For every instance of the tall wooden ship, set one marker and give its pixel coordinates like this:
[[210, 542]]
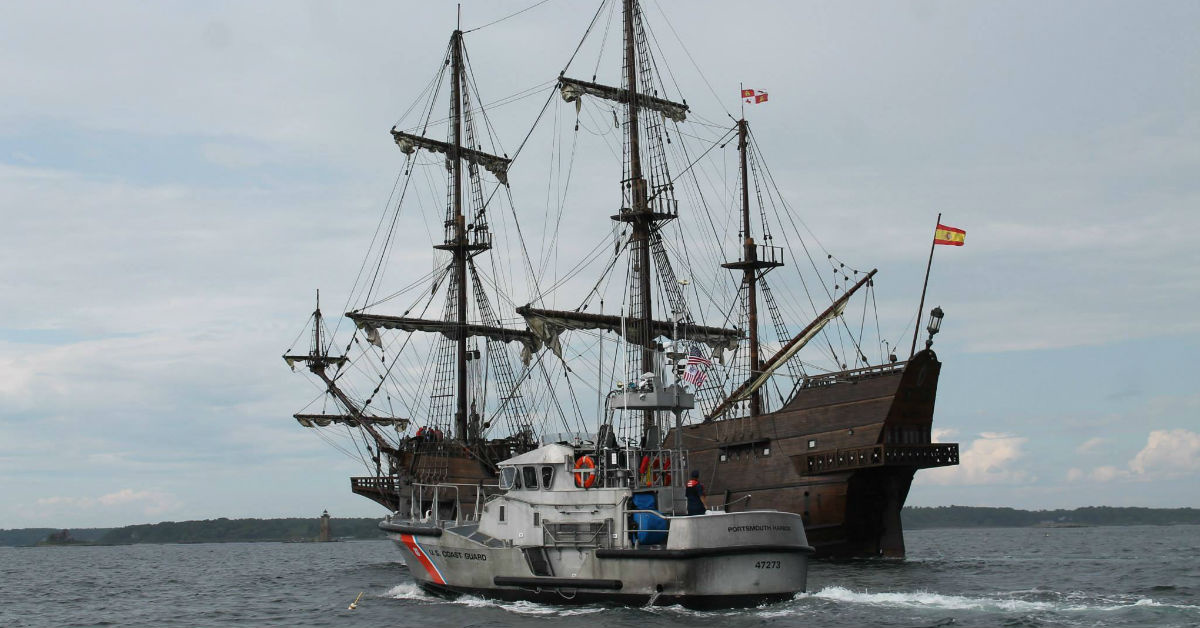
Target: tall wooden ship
[[773, 428]]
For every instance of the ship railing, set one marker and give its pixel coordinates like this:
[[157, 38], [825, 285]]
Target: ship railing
[[826, 379], [725, 507], [431, 510], [626, 532], [374, 483], [772, 255], [578, 534], [652, 468]]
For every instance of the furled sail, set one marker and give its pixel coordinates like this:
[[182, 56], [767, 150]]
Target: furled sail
[[572, 89], [549, 324], [532, 343], [318, 360], [495, 165], [322, 420]]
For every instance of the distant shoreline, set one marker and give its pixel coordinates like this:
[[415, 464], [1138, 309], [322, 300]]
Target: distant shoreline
[[929, 517], [366, 528]]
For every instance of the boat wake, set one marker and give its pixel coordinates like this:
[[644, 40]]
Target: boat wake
[[1011, 602], [523, 607], [410, 591]]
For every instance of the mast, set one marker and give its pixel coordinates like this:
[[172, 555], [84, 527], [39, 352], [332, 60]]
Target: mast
[[460, 240], [318, 361], [749, 274], [916, 331], [750, 265], [641, 218], [650, 201]]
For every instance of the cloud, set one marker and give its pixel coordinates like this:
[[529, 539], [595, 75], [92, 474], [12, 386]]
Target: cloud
[[1167, 454], [942, 434], [150, 503], [1090, 445], [993, 458]]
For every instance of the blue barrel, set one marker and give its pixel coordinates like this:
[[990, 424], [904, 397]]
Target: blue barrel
[[651, 527]]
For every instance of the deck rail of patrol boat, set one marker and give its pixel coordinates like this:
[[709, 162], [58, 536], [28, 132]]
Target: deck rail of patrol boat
[[417, 504]]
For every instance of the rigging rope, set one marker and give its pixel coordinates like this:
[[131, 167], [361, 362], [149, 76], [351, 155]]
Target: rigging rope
[[511, 15]]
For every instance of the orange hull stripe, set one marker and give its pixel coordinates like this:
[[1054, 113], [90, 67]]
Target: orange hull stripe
[[430, 568]]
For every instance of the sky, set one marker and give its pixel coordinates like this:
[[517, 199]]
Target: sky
[[177, 178]]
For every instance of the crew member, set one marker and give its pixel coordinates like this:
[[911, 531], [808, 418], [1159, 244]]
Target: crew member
[[695, 495]]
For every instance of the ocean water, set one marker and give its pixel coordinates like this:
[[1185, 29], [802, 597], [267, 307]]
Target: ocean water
[[1127, 576]]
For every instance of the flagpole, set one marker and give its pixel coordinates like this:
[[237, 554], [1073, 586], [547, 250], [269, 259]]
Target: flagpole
[[921, 307], [742, 98]]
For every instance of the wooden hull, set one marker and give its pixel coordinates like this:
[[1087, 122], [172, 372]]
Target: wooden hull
[[841, 453]]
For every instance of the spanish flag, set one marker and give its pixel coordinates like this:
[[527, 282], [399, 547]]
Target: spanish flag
[[949, 235]]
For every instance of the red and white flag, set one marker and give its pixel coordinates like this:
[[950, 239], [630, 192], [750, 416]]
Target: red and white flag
[[754, 96]]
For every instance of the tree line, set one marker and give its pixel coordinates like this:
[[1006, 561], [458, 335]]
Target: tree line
[[985, 517], [207, 531], [296, 529]]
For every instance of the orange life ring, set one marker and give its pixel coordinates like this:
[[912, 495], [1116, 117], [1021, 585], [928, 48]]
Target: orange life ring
[[651, 468], [585, 479]]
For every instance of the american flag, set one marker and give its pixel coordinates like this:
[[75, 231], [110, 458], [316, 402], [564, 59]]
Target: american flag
[[697, 366]]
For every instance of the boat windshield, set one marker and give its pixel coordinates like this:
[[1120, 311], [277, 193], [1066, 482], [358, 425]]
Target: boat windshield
[[531, 478], [508, 478]]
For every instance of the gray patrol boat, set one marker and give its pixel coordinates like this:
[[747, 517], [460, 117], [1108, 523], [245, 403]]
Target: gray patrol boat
[[600, 521]]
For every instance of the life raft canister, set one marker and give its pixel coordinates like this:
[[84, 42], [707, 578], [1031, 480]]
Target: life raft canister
[[585, 475], [652, 467]]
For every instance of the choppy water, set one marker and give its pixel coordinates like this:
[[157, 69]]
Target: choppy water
[[1132, 576]]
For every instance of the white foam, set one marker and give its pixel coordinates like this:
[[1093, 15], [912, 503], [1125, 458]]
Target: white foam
[[523, 607], [926, 599], [930, 600], [409, 591]]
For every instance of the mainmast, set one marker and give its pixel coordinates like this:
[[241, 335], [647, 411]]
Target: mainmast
[[456, 237], [648, 202], [641, 216], [460, 240], [750, 266]]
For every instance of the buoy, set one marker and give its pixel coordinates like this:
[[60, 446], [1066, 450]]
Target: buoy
[[354, 604], [585, 475]]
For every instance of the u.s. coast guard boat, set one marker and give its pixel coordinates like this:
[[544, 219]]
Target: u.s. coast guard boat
[[600, 521]]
